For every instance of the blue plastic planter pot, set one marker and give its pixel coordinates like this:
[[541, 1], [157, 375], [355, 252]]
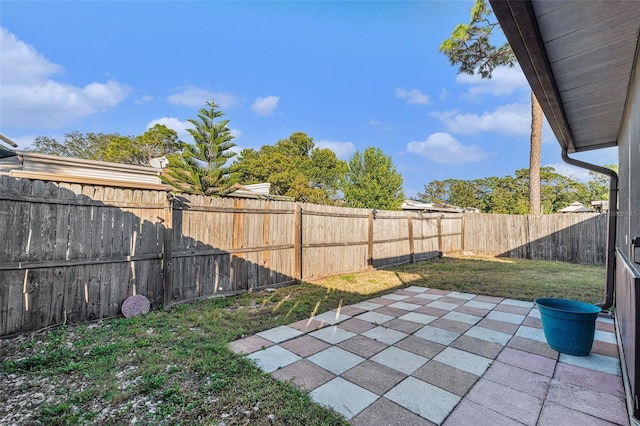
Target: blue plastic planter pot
[[569, 325]]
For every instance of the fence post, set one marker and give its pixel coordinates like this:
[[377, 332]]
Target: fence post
[[440, 233], [297, 244], [410, 228], [370, 242], [167, 272], [462, 233]]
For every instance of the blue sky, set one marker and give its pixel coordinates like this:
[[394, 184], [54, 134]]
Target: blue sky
[[350, 74]]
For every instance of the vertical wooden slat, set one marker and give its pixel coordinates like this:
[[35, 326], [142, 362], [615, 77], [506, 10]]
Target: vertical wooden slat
[[297, 244], [167, 251], [370, 241], [411, 248]]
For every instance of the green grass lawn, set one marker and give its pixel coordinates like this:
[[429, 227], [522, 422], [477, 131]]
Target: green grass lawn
[[174, 367]]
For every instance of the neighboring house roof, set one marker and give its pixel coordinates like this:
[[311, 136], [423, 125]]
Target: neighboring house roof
[[6, 152], [435, 207], [74, 170], [576, 207], [578, 58], [256, 191]]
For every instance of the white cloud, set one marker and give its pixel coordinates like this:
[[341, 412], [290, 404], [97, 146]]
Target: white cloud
[[196, 97], [236, 133], [504, 81], [576, 173], [413, 96], [30, 97], [144, 99], [265, 106], [444, 94], [443, 148], [175, 124], [514, 119], [343, 150], [385, 127]]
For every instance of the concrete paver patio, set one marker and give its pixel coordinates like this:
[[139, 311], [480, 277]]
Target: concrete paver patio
[[421, 356]]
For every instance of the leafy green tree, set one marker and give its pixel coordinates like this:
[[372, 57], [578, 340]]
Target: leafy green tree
[[295, 167], [509, 194], [201, 168], [470, 48], [599, 184], [75, 145], [372, 181], [139, 150]]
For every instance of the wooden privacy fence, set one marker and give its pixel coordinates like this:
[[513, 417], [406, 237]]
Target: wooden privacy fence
[[75, 253], [71, 253], [576, 238]]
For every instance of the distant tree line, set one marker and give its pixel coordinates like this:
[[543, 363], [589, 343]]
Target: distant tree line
[[510, 194], [294, 166]]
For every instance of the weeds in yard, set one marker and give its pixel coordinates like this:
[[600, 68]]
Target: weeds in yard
[[174, 367]]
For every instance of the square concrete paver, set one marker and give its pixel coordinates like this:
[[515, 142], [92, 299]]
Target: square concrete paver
[[554, 415], [336, 360], [343, 396], [516, 378], [476, 346], [589, 401], [531, 362], [403, 325], [280, 334], [470, 413], [506, 317], [438, 335], [308, 325], [443, 305], [394, 296], [489, 335], [418, 317], [273, 358], [466, 361], [462, 317], [501, 326], [405, 306], [332, 334], [532, 346], [386, 413], [424, 399], [586, 377], [363, 346], [249, 344], [428, 296], [356, 325], [480, 305], [305, 345], [458, 295], [416, 289], [390, 310], [399, 359], [446, 377], [368, 305], [455, 326], [518, 405], [375, 377], [331, 317], [385, 335], [532, 333], [419, 346], [304, 374], [375, 318], [605, 364]]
